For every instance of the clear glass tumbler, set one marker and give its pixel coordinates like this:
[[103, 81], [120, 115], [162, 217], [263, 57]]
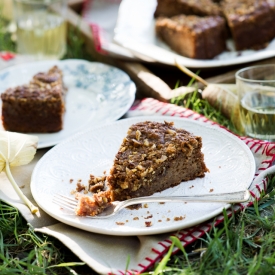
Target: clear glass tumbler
[[41, 28], [256, 93]]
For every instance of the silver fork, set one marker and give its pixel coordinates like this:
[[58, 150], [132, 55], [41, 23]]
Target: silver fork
[[234, 197]]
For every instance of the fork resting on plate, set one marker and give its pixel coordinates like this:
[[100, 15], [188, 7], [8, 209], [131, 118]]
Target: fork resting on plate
[[234, 197]]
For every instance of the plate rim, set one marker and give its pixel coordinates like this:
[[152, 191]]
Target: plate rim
[[148, 230], [22, 66]]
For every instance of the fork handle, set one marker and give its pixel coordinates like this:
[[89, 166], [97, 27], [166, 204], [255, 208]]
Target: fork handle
[[234, 197]]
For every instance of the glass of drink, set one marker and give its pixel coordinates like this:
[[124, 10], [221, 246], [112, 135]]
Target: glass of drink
[[41, 28], [256, 93]]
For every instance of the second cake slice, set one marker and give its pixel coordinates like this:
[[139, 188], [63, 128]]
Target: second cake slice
[[193, 36], [37, 107]]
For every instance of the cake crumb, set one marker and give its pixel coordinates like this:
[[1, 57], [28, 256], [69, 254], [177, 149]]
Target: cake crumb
[[71, 180], [148, 217], [97, 187], [120, 223], [180, 218], [162, 202], [168, 219], [159, 220], [145, 205], [148, 224], [22, 186], [192, 186], [135, 206], [136, 218], [80, 187], [211, 190]]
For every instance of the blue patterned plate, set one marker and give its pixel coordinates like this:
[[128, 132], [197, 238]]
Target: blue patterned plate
[[97, 94]]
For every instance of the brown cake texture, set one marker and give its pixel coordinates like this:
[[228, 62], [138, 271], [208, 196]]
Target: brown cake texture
[[193, 36], [35, 107], [252, 23], [168, 8], [152, 157], [92, 205]]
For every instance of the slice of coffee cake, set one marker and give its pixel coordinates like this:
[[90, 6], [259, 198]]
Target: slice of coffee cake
[[193, 36], [36, 107], [152, 157]]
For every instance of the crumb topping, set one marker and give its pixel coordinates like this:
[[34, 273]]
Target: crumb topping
[[193, 23], [43, 86], [180, 218], [97, 184]]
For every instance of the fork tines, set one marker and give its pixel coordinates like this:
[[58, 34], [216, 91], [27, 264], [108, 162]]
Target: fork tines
[[65, 202]]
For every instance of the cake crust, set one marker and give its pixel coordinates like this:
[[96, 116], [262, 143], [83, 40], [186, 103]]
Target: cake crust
[[170, 8]]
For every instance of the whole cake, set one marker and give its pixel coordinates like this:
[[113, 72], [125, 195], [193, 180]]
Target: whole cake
[[152, 157], [193, 36], [36, 107]]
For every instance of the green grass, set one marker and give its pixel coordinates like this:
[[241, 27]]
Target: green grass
[[195, 102], [6, 41], [76, 46], [243, 244]]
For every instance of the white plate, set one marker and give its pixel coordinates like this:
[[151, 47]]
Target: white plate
[[135, 31], [230, 161], [97, 94]]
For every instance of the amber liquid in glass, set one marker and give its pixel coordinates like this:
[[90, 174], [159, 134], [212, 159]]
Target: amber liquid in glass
[[42, 35], [258, 115]]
